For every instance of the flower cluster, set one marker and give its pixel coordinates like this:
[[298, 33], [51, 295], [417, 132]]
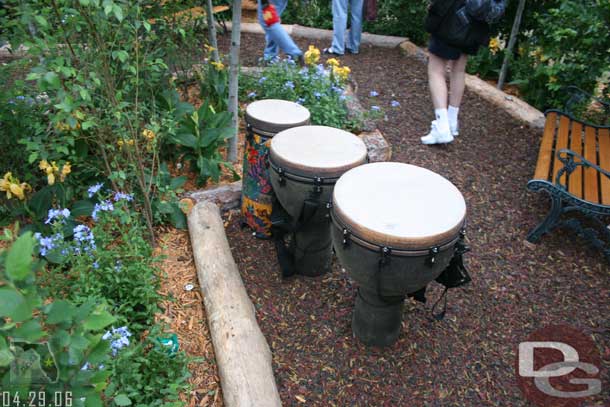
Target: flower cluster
[[118, 337], [121, 196], [219, 66], [148, 134], [496, 44], [57, 214], [48, 243], [84, 239], [103, 206], [94, 189], [52, 171], [312, 55], [13, 187], [341, 72]]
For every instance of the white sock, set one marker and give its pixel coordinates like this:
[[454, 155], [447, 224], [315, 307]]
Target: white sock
[[453, 114], [442, 120]]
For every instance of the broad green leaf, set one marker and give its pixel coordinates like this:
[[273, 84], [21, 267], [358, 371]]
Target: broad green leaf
[[6, 357], [177, 182], [14, 305], [41, 21], [178, 218], [60, 311], [122, 400], [29, 331], [41, 201], [98, 320], [118, 13], [100, 351], [52, 79], [19, 259], [82, 208]]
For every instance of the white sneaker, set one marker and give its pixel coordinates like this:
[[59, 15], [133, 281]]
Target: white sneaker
[[436, 137], [455, 129]]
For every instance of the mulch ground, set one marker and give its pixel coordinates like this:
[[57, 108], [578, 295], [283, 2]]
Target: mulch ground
[[468, 359]]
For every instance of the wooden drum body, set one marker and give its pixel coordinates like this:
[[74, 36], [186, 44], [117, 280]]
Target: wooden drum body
[[305, 163], [264, 119], [395, 228]]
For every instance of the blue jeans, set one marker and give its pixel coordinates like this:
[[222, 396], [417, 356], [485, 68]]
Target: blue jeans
[[276, 37], [340, 25]]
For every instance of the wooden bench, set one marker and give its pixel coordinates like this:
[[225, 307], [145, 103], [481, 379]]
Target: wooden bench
[[574, 169]]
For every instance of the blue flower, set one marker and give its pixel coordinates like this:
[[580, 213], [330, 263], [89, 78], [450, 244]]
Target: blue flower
[[300, 101], [342, 97], [57, 214], [96, 265], [318, 95], [395, 103], [118, 196], [375, 108], [103, 206], [336, 89], [94, 189], [48, 243], [374, 93], [118, 337], [118, 265], [262, 79], [252, 95], [289, 85], [83, 237], [20, 97]]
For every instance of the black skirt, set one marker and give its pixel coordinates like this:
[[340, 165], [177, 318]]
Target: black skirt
[[446, 51]]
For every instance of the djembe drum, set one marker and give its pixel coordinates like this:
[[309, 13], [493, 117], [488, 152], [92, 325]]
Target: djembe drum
[[264, 119], [305, 163], [395, 229]]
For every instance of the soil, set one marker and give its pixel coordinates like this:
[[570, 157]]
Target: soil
[[468, 359]]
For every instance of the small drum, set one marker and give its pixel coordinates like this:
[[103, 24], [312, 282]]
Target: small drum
[[264, 118], [395, 229], [305, 163]]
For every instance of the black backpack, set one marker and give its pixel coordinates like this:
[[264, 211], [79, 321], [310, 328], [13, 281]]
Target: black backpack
[[489, 11], [449, 21]]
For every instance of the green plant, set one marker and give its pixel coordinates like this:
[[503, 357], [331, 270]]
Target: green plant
[[150, 373], [45, 341], [319, 88], [200, 135], [214, 83]]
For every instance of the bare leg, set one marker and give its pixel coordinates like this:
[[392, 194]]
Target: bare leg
[[437, 82], [457, 80]]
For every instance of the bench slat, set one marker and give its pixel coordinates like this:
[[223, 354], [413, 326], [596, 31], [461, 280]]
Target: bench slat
[[575, 179], [543, 165], [562, 142], [591, 180], [604, 162]]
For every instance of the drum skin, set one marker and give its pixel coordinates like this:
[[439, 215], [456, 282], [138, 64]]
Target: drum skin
[[400, 276]]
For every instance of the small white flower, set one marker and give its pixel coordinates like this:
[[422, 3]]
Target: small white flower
[[189, 287]]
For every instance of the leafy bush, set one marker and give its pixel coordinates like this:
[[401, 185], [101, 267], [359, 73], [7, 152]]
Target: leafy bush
[[45, 342], [319, 88]]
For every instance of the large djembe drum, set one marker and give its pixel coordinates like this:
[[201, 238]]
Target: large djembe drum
[[395, 229], [305, 163], [264, 119]]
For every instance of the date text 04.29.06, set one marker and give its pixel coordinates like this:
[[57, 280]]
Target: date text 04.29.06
[[36, 399]]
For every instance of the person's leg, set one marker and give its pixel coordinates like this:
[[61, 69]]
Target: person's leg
[[457, 81], [280, 6], [281, 38], [440, 132], [339, 26], [355, 30], [271, 48]]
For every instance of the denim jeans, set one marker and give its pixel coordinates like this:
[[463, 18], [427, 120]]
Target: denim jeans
[[276, 37], [340, 25]]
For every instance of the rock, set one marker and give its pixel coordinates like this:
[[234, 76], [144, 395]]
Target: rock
[[378, 148], [226, 196]]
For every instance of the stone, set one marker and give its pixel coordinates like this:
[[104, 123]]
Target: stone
[[226, 196], [378, 148]]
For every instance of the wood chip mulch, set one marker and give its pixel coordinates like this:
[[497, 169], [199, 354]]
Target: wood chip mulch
[[469, 358]]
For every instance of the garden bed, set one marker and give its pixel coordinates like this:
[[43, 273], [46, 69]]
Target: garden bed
[[468, 359]]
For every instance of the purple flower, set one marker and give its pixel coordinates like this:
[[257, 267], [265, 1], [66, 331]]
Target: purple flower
[[375, 108], [57, 214], [252, 95], [289, 85], [300, 101], [262, 79], [395, 103], [103, 206], [83, 237], [118, 196], [94, 189], [373, 93], [48, 243], [118, 337], [318, 95]]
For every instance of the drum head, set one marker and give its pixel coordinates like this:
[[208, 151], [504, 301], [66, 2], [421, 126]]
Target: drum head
[[399, 205], [317, 151], [274, 115]]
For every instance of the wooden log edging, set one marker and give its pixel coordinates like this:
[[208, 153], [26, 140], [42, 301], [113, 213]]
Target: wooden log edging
[[242, 353]]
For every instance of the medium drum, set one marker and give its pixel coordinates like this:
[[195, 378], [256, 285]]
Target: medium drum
[[395, 229], [264, 119], [305, 164]]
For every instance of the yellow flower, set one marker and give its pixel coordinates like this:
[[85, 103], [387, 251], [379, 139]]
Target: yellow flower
[[333, 62], [218, 65], [65, 170], [130, 142], [552, 79], [5, 182], [312, 55], [120, 143], [17, 190], [494, 45], [209, 48], [148, 134], [43, 165], [341, 72], [51, 178], [12, 187]]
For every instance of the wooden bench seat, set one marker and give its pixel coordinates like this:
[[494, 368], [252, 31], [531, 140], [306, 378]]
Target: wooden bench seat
[[574, 168]]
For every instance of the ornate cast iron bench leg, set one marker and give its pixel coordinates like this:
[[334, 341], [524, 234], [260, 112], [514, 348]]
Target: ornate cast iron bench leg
[[551, 218]]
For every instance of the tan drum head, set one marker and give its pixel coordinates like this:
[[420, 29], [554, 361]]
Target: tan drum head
[[317, 151], [399, 205], [274, 115]]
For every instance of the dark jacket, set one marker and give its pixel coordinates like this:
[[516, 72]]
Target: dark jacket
[[448, 21]]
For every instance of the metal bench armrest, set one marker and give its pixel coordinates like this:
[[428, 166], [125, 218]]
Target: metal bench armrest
[[577, 95], [571, 161]]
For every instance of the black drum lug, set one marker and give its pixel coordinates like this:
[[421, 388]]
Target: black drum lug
[[318, 182], [386, 252], [329, 206], [346, 237], [431, 259], [281, 179]]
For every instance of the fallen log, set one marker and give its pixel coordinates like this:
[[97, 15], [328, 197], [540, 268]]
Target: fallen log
[[242, 353]]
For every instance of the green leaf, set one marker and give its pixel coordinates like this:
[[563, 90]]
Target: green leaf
[[41, 21], [122, 400], [6, 357], [14, 305], [41, 201], [177, 182], [93, 400], [60, 311], [118, 12], [84, 3], [19, 259], [178, 218], [52, 79], [100, 351], [98, 320], [29, 331], [82, 208]]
